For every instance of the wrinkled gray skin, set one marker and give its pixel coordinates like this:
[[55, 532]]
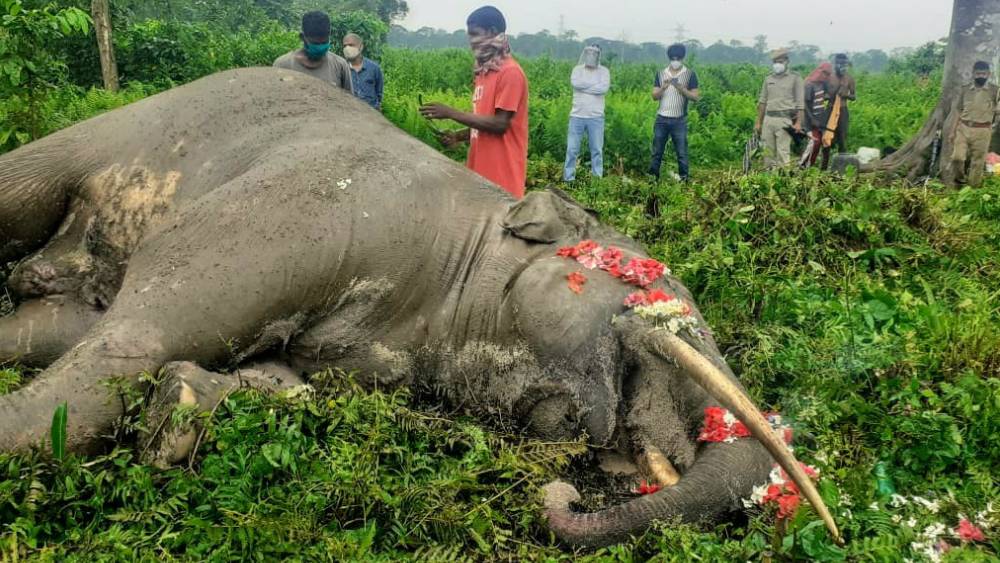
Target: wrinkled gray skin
[[261, 215]]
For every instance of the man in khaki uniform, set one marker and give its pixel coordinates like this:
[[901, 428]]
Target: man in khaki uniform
[[781, 106], [978, 113]]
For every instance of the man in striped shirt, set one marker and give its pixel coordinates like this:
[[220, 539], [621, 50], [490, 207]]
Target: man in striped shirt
[[673, 88]]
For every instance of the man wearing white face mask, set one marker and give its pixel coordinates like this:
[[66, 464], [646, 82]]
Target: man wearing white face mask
[[674, 88], [591, 82], [781, 107], [366, 75]]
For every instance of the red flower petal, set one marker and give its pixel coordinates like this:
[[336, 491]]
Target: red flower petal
[[576, 281], [567, 252], [645, 488], [586, 247], [787, 505], [659, 296], [636, 299], [609, 257], [788, 435], [968, 531], [740, 430], [642, 272]]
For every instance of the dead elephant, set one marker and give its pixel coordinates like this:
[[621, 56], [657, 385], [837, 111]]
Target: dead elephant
[[261, 216]]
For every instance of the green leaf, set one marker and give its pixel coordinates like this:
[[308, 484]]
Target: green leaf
[[58, 434]]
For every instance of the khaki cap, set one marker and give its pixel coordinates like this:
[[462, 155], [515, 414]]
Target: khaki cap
[[779, 53]]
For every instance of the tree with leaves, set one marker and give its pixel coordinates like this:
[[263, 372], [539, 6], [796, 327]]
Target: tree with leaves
[[27, 72], [975, 35]]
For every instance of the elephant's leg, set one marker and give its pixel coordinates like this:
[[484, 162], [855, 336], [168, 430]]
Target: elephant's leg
[[206, 290], [42, 330], [187, 393], [35, 181], [90, 379]]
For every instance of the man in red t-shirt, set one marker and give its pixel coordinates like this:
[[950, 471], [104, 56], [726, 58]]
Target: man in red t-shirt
[[498, 124]]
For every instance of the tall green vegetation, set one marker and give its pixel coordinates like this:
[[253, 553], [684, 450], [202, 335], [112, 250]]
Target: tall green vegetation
[[868, 314], [29, 71], [865, 313]]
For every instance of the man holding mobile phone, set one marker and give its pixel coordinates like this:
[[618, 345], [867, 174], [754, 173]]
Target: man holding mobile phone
[[673, 87], [497, 126]]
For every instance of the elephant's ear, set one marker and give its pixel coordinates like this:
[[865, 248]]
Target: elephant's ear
[[547, 217]]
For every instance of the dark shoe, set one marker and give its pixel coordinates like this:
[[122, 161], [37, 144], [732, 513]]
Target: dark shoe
[[653, 207]]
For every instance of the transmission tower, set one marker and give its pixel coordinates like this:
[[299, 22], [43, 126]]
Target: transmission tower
[[681, 32]]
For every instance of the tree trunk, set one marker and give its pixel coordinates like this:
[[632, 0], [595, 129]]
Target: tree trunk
[[974, 36], [102, 27]]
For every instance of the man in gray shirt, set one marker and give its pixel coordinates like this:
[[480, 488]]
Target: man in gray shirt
[[315, 58]]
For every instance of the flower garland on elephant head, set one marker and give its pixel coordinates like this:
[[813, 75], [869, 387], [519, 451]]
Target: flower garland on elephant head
[[668, 312], [656, 306]]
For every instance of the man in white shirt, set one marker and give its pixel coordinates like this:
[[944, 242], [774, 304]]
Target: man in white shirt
[[591, 82]]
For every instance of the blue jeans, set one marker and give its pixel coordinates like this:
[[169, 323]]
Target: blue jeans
[[594, 128], [675, 128]]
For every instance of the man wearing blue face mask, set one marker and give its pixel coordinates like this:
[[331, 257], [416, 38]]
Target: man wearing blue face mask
[[315, 58]]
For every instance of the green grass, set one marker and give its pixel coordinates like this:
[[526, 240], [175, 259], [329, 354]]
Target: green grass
[[866, 312]]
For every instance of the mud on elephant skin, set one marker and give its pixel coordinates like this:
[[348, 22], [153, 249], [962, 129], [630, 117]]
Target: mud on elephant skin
[[261, 214]]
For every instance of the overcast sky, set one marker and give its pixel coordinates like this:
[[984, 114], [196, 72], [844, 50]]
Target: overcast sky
[[850, 25]]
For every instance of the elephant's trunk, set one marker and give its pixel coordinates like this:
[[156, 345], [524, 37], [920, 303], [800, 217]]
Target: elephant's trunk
[[670, 347], [711, 486]]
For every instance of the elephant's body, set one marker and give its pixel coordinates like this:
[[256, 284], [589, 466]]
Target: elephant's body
[[260, 213]]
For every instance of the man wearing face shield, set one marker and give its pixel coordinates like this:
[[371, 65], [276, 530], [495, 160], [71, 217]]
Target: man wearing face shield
[[781, 107], [591, 82], [315, 58], [497, 127], [843, 87], [978, 113]]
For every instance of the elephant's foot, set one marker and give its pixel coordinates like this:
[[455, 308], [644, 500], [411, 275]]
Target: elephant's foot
[[186, 395], [42, 330], [658, 468], [94, 380]]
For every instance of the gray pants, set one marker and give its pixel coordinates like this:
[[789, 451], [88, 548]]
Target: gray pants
[[777, 142]]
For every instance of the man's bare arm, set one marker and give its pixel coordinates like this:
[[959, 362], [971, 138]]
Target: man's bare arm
[[498, 123]]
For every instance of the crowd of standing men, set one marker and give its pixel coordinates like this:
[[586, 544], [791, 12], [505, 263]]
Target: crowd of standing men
[[815, 109]]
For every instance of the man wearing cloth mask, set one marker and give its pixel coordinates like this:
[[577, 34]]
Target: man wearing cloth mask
[[781, 106], [498, 124], [673, 87], [315, 58], [840, 85], [591, 81], [366, 75], [978, 115]]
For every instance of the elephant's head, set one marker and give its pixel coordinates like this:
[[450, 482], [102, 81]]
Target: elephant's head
[[636, 378]]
